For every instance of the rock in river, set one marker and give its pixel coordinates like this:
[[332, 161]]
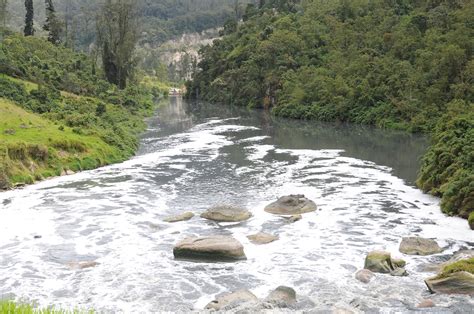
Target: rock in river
[[181, 217], [226, 213], [291, 205], [232, 299], [262, 238], [282, 295], [364, 275], [460, 282], [212, 248], [419, 246], [379, 262]]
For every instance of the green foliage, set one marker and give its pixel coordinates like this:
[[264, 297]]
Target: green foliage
[[39, 61], [405, 65], [448, 166], [470, 220], [11, 307], [45, 130]]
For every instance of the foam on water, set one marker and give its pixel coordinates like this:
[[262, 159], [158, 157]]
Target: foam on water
[[114, 216]]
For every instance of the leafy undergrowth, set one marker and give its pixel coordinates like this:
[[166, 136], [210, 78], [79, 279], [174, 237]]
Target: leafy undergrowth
[[448, 166], [11, 307]]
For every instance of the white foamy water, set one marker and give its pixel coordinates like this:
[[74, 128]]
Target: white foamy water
[[114, 216]]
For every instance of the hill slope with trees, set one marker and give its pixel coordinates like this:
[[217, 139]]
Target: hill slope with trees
[[389, 63], [58, 115]]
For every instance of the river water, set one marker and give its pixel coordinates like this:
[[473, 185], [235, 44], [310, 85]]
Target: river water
[[196, 156]]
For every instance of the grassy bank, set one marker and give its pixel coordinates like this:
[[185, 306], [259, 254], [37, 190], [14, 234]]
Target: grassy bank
[[11, 307], [57, 115]]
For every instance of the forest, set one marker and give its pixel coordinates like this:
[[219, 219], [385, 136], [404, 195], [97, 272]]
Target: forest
[[396, 64]]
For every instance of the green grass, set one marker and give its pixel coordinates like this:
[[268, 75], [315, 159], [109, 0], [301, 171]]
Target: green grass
[[33, 148], [11, 307], [462, 265]]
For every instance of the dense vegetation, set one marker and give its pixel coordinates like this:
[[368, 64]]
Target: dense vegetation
[[58, 115], [390, 63]]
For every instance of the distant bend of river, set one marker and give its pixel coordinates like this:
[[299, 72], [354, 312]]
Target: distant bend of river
[[194, 156]]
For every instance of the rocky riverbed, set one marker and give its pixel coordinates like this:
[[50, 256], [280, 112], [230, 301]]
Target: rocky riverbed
[[104, 239]]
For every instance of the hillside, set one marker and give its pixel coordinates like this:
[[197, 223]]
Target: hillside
[[403, 65], [160, 22], [58, 115]]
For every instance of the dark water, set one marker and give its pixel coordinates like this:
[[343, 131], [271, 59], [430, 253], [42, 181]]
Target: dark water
[[195, 156]]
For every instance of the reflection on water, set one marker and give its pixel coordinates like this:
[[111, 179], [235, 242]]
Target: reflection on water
[[195, 156], [399, 150]]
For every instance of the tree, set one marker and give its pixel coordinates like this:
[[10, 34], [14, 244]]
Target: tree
[[29, 27], [117, 34], [3, 12], [52, 24]]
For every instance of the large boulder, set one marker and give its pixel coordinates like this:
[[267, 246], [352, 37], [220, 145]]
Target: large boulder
[[182, 217], [419, 246], [209, 248], [455, 278], [226, 213], [379, 262], [282, 295], [262, 238], [232, 299], [461, 282], [291, 205]]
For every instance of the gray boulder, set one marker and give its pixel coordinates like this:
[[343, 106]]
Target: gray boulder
[[226, 213], [282, 296], [461, 282], [419, 246], [364, 275], [291, 205], [231, 299], [181, 217], [212, 248], [262, 238]]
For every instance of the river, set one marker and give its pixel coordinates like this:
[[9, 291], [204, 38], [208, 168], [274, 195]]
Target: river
[[194, 156]]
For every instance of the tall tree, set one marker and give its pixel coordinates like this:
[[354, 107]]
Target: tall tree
[[29, 27], [3, 12], [53, 24], [117, 35]]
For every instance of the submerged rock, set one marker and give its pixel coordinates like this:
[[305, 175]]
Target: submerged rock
[[398, 263], [181, 217], [83, 265], [399, 272], [226, 213], [426, 304], [461, 282], [232, 299], [209, 248], [282, 296], [364, 275], [291, 205], [262, 238], [379, 262], [419, 246], [295, 218]]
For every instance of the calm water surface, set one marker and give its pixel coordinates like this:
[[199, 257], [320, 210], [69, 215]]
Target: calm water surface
[[195, 156]]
